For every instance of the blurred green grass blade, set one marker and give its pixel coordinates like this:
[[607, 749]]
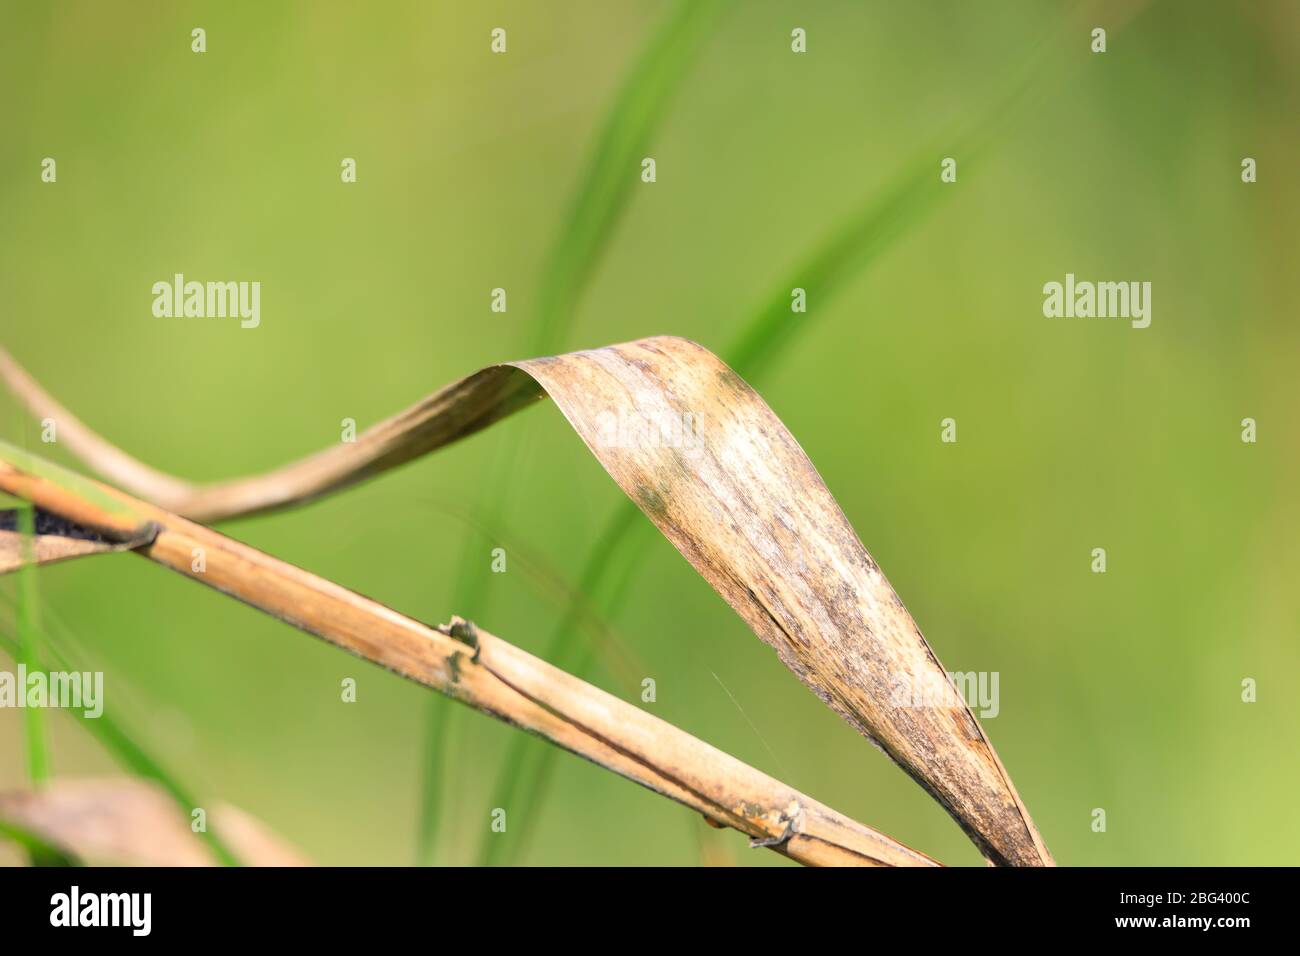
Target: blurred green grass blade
[[39, 851], [610, 174], [117, 741], [871, 232], [843, 256], [28, 653], [580, 613], [605, 188], [470, 591], [525, 762]]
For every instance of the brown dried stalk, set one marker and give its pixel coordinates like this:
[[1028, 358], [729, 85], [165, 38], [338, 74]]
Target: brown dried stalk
[[474, 667], [738, 498], [132, 821]]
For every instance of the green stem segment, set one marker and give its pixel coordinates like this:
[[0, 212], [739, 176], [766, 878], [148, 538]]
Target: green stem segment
[[28, 652], [122, 745]]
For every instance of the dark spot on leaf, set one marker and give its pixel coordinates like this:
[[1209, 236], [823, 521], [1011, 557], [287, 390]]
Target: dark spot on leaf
[[651, 501]]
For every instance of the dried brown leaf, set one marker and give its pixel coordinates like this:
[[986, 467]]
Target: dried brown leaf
[[122, 820]]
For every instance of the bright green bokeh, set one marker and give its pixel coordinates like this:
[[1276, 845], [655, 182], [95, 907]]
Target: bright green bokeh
[[1120, 691]]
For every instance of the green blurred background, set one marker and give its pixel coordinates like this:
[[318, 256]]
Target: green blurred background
[[1119, 691]]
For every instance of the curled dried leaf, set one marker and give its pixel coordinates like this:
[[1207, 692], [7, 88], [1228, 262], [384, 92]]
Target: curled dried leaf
[[740, 500]]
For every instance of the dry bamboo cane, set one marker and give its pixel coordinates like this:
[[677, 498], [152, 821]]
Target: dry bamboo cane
[[475, 668]]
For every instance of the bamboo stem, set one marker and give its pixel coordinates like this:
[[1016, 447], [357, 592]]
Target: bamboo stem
[[479, 670]]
